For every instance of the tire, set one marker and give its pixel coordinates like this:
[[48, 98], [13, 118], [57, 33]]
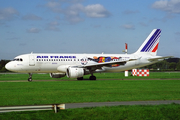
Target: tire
[[81, 78], [92, 77], [30, 79]]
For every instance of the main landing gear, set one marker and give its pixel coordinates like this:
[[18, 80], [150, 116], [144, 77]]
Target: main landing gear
[[30, 77], [92, 77]]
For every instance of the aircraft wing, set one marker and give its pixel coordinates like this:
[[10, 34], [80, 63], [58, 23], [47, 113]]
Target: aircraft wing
[[107, 64], [159, 58]]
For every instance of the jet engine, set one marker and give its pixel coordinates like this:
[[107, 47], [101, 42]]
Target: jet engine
[[57, 75], [73, 72]]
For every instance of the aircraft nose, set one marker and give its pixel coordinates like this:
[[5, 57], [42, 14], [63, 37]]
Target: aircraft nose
[[9, 66]]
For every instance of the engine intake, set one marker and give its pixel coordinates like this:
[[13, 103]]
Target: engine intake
[[73, 72]]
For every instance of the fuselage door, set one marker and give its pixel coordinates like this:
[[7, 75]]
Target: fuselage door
[[31, 60]]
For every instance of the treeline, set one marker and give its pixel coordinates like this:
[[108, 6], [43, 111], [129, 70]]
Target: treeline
[[2, 65], [171, 64]]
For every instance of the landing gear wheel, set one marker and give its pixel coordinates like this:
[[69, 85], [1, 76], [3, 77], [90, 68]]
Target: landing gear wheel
[[80, 78], [30, 79], [92, 77]]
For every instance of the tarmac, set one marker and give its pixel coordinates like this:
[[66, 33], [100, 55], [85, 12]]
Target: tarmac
[[100, 104]]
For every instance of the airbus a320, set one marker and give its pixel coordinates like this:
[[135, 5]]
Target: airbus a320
[[78, 65]]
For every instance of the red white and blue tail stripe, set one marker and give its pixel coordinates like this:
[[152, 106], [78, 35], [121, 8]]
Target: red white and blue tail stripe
[[151, 43]]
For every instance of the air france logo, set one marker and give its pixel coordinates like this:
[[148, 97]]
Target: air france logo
[[84, 61], [56, 56]]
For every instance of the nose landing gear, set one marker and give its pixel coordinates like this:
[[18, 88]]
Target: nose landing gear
[[30, 77]]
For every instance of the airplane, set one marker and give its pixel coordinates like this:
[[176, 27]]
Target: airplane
[[78, 65]]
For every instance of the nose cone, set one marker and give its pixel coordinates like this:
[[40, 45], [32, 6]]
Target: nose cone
[[11, 66], [8, 66]]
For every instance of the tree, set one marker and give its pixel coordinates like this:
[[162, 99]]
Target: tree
[[2, 65], [172, 65], [178, 65]]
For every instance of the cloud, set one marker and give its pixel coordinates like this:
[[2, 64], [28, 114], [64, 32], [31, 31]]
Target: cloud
[[22, 44], [177, 33], [13, 38], [128, 26], [53, 26], [127, 12], [170, 6], [33, 30], [31, 17], [96, 26], [73, 11], [143, 24], [8, 13], [96, 11], [54, 6]]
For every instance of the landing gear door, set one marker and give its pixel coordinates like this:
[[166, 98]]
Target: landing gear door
[[31, 60]]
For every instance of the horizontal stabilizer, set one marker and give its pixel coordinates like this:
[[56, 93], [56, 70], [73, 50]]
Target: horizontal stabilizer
[[159, 58]]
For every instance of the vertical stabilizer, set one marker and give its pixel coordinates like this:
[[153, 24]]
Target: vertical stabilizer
[[151, 43]]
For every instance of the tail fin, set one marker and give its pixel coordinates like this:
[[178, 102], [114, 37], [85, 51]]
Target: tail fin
[[151, 43]]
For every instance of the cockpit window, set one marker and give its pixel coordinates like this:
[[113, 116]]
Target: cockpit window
[[18, 59]]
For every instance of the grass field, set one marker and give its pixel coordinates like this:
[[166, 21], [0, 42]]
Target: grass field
[[153, 75], [102, 90], [157, 112]]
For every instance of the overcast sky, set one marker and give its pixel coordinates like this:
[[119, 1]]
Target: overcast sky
[[86, 26]]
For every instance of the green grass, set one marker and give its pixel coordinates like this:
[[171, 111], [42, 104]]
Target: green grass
[[153, 75], [107, 88], [30, 93], [137, 112]]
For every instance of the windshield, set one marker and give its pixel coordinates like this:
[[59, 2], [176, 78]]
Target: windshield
[[18, 59]]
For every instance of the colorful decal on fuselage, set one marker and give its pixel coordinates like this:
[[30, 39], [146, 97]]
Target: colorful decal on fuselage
[[84, 61], [115, 65], [102, 59]]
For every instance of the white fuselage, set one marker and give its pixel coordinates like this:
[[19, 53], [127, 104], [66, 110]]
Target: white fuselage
[[48, 63], [77, 65]]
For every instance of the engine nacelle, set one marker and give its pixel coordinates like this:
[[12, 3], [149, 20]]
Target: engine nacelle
[[73, 72], [57, 75]]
